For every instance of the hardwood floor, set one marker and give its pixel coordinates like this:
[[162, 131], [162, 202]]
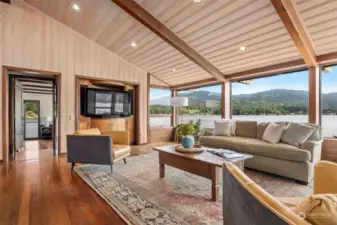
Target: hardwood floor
[[44, 191]]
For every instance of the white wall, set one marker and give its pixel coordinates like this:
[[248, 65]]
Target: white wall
[[46, 105]]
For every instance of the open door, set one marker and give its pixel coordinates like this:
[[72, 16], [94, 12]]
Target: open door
[[18, 116]]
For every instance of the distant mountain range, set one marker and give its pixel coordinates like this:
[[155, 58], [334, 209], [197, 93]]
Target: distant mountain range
[[265, 98]]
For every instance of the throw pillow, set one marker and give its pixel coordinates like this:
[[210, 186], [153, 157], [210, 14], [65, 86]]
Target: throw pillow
[[246, 129], [222, 129], [296, 134], [317, 134], [320, 209], [273, 133], [232, 122], [261, 129]]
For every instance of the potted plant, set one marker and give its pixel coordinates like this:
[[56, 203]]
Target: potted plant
[[186, 132]]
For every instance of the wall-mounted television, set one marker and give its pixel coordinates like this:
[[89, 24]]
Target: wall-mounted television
[[98, 103]]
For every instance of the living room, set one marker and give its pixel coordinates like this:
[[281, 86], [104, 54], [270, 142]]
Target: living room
[[256, 78]]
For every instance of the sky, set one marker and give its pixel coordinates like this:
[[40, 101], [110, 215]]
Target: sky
[[293, 81]]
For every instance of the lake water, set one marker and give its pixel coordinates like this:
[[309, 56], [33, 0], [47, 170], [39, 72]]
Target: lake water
[[329, 122]]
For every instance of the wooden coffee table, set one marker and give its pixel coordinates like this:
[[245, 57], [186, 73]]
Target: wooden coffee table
[[203, 164]]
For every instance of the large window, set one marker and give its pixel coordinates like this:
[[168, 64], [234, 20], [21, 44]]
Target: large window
[[204, 104], [160, 108], [329, 102], [277, 98]]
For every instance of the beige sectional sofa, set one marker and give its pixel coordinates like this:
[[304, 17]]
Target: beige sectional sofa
[[280, 159]]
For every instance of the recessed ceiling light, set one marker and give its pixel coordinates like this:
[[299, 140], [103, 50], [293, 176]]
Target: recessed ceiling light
[[133, 44], [243, 49], [174, 70], [75, 7], [197, 2]]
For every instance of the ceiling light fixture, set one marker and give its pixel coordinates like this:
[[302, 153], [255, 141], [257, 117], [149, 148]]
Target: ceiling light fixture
[[174, 70], [197, 2], [243, 49], [75, 7], [133, 44]]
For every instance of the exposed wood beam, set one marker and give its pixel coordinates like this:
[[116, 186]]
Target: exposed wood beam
[[159, 86], [327, 58], [291, 19], [265, 71], [149, 21], [268, 70], [196, 84], [155, 77]]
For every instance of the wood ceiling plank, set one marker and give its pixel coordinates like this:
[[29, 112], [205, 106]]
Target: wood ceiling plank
[[161, 30], [202, 19], [293, 23], [194, 84], [273, 29], [286, 55], [222, 35]]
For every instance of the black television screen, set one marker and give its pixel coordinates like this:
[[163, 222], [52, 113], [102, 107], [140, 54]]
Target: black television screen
[[105, 103]]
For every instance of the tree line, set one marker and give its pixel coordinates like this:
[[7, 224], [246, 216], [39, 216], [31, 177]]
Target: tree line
[[242, 110]]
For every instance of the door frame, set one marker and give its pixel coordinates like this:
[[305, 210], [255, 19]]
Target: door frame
[[24, 119], [6, 117]]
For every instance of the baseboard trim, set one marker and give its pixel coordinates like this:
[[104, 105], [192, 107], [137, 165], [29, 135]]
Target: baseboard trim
[[63, 153]]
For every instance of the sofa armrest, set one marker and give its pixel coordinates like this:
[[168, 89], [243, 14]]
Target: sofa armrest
[[325, 179], [89, 149], [118, 137], [315, 148]]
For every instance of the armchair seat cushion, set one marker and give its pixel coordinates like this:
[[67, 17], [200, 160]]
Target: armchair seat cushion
[[119, 151]]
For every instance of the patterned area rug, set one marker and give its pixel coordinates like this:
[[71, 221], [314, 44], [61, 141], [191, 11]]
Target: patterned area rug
[[139, 196]]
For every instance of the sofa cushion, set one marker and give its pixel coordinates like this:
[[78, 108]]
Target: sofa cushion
[[246, 128], [296, 134], [120, 151], [222, 128], [92, 131], [261, 127], [232, 122], [257, 147], [273, 133]]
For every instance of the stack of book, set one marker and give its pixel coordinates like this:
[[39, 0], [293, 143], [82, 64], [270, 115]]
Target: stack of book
[[224, 153]]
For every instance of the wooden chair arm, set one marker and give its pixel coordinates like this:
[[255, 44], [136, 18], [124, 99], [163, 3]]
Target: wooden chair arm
[[118, 137], [325, 178]]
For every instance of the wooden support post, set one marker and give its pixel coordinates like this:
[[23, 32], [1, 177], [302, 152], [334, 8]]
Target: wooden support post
[[314, 109], [226, 100], [174, 110]]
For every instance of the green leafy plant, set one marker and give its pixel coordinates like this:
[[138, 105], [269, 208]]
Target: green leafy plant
[[185, 129]]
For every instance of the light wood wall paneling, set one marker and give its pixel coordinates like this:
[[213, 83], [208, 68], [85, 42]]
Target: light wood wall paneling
[[31, 39]]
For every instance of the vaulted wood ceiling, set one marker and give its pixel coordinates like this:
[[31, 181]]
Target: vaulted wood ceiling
[[215, 29]]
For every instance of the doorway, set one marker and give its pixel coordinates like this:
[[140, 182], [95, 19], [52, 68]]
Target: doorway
[[32, 114]]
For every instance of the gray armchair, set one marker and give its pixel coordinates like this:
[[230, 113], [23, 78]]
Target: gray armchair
[[95, 147], [244, 202]]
